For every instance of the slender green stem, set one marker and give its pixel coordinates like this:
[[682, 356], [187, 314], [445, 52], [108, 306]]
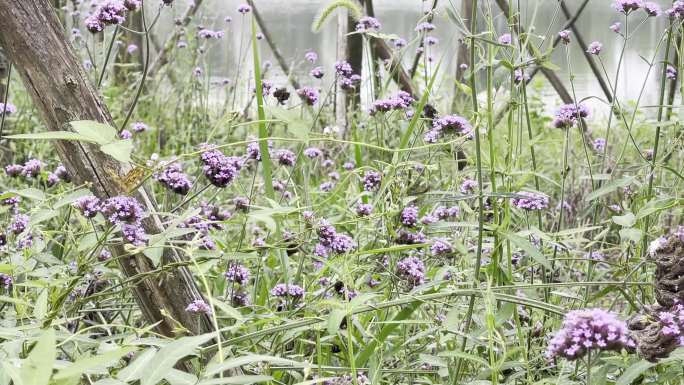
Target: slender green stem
[[107, 56]]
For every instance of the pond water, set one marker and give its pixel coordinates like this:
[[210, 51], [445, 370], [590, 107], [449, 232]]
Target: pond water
[[289, 22]]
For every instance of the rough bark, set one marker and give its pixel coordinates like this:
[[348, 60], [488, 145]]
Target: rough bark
[[354, 56], [34, 41]]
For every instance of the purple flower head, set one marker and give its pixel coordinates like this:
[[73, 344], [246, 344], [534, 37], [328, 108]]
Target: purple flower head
[[241, 203], [125, 134], [287, 290], [5, 279], [238, 274], [286, 157], [326, 232], [519, 75], [221, 170], [14, 170], [441, 246], [442, 212], [652, 9], [343, 68], [198, 306], [505, 39], [595, 48], [173, 178], [401, 101], [122, 209], [109, 12], [670, 73], [308, 95], [320, 251], [132, 5], [594, 255], [468, 186], [565, 36], [615, 27], [531, 201], [89, 206], [7, 108], [568, 115], [32, 168], [677, 10], [52, 179], [342, 244], [425, 27], [312, 152], [599, 144], [133, 234], [371, 180], [431, 40], [627, 6], [131, 48], [589, 329], [209, 34], [349, 83], [244, 8], [412, 270], [368, 23], [399, 43], [452, 123], [364, 209], [326, 186], [19, 223], [317, 72], [311, 56], [409, 216], [104, 256], [348, 166], [62, 173]]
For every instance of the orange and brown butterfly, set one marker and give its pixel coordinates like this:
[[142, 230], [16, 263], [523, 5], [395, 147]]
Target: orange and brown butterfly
[[133, 179]]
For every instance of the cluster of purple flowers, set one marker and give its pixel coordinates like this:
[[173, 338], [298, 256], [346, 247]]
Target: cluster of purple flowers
[[209, 34], [238, 274], [412, 270], [594, 48], [589, 329], [530, 201], [286, 157], [564, 36], [409, 216], [330, 240], [347, 78], [317, 72], [7, 108], [31, 169], [311, 56], [670, 72], [568, 115], [244, 8], [368, 23], [364, 209], [19, 223], [371, 180], [198, 306], [672, 322], [309, 95], [287, 290], [221, 170], [123, 211], [628, 6], [505, 39], [401, 101], [448, 124], [425, 27], [313, 152], [441, 246], [110, 12], [677, 10], [599, 144], [6, 281], [173, 178]]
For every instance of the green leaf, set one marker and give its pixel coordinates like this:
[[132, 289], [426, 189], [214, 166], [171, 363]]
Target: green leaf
[[248, 360], [296, 125], [655, 206], [176, 377], [167, 356], [81, 366], [52, 135], [627, 220], [41, 306], [36, 369], [334, 320], [465, 356], [120, 150], [633, 372], [610, 187], [135, 369], [237, 380], [95, 131], [31, 193]]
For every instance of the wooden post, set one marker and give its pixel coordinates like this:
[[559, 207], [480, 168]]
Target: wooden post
[[34, 41], [340, 95]]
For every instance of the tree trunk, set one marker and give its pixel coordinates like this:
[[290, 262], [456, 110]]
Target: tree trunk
[[34, 41]]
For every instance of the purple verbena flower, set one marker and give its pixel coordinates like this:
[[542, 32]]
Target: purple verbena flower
[[122, 209], [308, 95], [505, 39], [412, 270], [371, 180], [19, 223], [198, 306], [221, 170], [238, 274], [368, 23], [89, 206], [409, 216], [244, 8], [7, 108], [32, 168], [364, 209], [173, 178], [564, 36], [568, 115], [311, 56], [531, 201], [286, 157], [595, 48], [287, 290], [441, 246]]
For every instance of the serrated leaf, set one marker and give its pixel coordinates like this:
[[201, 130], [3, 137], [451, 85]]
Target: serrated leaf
[[135, 369], [52, 135], [120, 150], [31, 193], [633, 372]]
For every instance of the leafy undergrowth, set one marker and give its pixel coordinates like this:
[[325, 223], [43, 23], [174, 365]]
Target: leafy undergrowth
[[431, 239]]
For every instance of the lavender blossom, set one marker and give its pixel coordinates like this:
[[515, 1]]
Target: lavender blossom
[[595, 48], [531, 201], [122, 209], [198, 306], [238, 274], [564, 36], [308, 95], [89, 206], [568, 115], [586, 330], [7, 108], [287, 290], [409, 216], [412, 270], [371, 180], [173, 178], [221, 170], [368, 23], [286, 157], [505, 39]]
